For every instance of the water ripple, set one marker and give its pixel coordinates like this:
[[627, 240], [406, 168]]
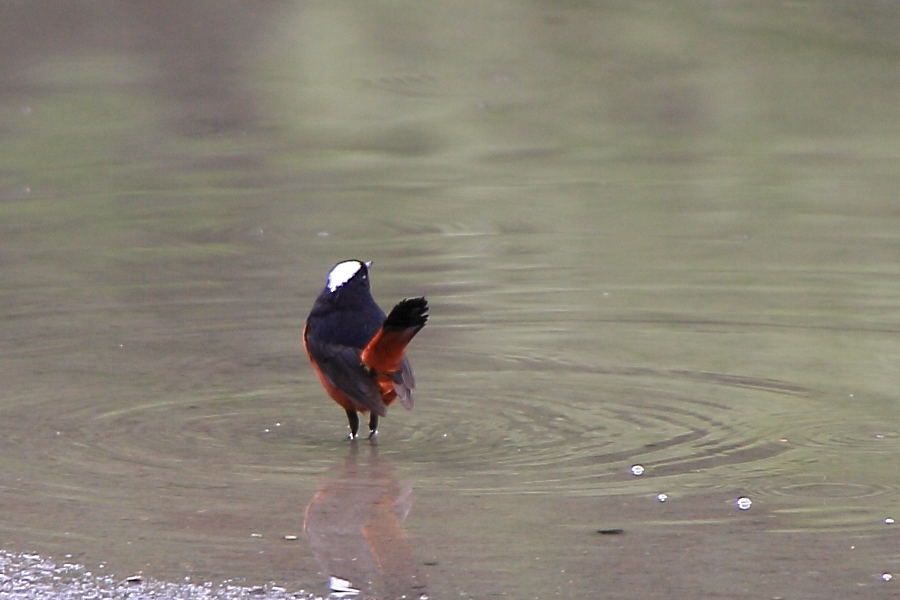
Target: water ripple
[[536, 437]]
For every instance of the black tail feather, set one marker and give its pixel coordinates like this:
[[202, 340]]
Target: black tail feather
[[410, 312]]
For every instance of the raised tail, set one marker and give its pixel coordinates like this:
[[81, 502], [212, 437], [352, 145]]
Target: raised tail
[[385, 352]]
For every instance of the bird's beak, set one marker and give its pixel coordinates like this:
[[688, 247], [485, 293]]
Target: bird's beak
[[368, 263]]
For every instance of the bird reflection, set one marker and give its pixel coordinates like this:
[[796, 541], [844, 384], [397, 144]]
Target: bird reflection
[[354, 525]]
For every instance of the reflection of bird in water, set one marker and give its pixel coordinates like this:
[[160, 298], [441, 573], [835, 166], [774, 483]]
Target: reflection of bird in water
[[354, 527]]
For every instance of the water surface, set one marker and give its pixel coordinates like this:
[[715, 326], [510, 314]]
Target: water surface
[[650, 234]]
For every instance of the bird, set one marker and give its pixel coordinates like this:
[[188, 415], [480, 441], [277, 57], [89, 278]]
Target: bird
[[358, 352]]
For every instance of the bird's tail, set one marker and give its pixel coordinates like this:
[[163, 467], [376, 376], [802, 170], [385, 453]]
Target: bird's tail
[[385, 351]]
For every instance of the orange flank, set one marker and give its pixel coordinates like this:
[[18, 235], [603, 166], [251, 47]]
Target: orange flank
[[336, 394]]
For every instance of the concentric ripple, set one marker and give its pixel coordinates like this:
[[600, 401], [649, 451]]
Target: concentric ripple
[[504, 431], [523, 433], [819, 488], [876, 438], [255, 431]]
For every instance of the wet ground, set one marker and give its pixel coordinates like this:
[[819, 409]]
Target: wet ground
[[650, 235]]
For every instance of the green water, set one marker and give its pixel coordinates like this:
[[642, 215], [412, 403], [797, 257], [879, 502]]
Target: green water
[[651, 233]]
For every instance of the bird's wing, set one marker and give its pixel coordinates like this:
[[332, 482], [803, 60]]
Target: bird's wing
[[345, 371]]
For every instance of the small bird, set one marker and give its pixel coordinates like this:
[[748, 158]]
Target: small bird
[[359, 353]]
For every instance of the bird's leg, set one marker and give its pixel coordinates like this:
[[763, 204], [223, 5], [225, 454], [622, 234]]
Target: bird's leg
[[373, 425], [354, 423]]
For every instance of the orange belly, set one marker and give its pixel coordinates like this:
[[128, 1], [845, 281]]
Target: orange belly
[[336, 394]]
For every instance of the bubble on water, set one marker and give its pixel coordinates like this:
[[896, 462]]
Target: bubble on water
[[743, 503], [637, 470], [887, 576], [662, 497]]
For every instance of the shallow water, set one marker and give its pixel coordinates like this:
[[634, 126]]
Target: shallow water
[[650, 236]]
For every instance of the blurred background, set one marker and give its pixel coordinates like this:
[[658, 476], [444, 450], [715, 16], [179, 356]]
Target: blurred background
[[651, 233]]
